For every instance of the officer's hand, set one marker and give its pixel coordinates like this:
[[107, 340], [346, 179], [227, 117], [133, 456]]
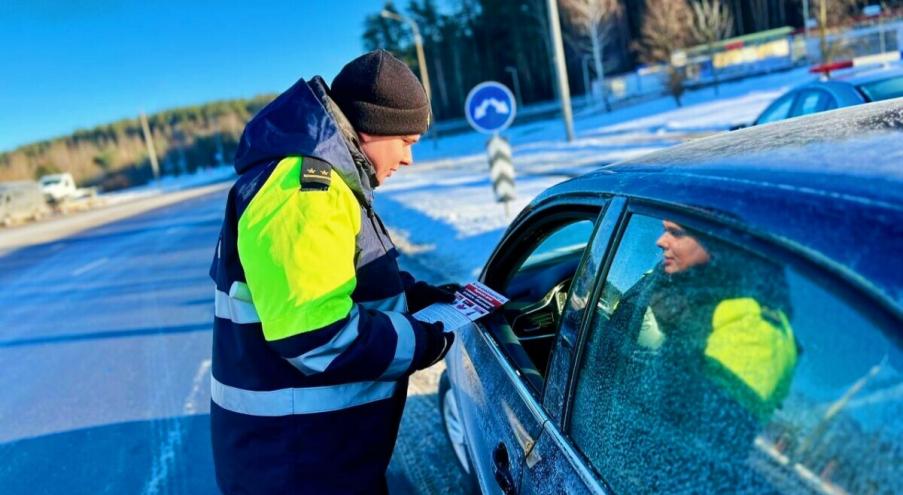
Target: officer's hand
[[422, 294], [437, 341], [452, 287]]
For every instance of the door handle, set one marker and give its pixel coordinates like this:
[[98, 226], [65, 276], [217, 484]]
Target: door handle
[[501, 469]]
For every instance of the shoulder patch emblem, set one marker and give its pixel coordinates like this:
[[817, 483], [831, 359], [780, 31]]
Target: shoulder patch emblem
[[315, 174]]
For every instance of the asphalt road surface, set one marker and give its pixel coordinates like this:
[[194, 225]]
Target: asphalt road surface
[[105, 364]]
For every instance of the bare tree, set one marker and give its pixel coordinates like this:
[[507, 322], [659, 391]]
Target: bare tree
[[666, 29], [595, 20], [712, 22]]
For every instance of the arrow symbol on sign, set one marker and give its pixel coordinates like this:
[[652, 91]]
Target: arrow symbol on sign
[[498, 106]]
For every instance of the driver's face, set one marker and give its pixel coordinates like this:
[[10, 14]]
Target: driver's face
[[681, 251]]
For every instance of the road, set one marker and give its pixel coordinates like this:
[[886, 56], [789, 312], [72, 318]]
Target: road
[[105, 357]]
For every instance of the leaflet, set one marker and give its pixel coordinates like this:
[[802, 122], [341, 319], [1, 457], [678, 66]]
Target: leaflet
[[472, 302]]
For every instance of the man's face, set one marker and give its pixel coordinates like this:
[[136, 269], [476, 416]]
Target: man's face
[[388, 153], [680, 250]]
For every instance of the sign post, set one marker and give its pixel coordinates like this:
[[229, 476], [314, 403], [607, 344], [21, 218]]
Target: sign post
[[490, 108]]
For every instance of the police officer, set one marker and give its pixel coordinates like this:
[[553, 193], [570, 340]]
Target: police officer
[[313, 336]]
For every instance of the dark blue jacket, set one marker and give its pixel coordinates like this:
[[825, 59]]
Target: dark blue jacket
[[312, 343]]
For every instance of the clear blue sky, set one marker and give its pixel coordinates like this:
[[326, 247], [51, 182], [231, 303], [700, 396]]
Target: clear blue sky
[[67, 65]]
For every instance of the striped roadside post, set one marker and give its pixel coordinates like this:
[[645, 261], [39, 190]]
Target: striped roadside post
[[501, 170]]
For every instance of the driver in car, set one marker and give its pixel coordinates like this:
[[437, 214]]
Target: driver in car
[[702, 349]]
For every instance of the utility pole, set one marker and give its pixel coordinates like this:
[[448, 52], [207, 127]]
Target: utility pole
[[421, 57], [564, 90], [806, 29], [151, 150], [822, 31]]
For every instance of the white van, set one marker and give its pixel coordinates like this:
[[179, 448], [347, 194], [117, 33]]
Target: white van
[[58, 187]]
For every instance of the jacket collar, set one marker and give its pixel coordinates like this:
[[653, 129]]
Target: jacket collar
[[304, 121], [364, 171]]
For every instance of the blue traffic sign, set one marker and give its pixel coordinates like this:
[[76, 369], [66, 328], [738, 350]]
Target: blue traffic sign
[[490, 107]]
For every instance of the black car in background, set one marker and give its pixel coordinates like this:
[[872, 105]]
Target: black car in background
[[725, 316]]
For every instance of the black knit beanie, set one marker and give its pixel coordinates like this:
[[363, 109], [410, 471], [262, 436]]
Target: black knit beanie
[[380, 95]]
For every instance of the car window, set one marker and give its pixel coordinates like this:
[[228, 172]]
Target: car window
[[566, 241], [710, 369], [883, 90], [777, 110], [809, 102], [537, 288]]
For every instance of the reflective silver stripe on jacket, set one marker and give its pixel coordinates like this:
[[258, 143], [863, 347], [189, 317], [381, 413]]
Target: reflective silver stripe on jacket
[[288, 401], [318, 359], [404, 348], [237, 305], [395, 303]]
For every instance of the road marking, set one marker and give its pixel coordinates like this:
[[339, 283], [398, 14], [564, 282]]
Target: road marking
[[166, 455], [190, 402], [165, 458], [90, 266]]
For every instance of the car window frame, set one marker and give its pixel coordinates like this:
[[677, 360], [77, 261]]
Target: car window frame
[[525, 228], [845, 286]]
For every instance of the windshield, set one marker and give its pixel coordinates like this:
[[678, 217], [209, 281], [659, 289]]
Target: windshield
[[50, 182], [884, 89]]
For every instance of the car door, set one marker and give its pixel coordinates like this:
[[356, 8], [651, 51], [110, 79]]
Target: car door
[[499, 364], [555, 466], [712, 361]]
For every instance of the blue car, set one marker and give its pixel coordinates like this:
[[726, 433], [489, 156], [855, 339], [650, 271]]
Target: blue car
[[851, 88], [725, 316]]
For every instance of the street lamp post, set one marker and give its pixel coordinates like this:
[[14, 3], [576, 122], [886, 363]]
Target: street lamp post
[[564, 90], [516, 82], [418, 42]]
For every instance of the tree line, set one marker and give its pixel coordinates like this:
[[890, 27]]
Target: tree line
[[470, 41], [114, 156]]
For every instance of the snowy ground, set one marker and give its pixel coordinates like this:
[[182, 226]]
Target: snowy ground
[[443, 206]]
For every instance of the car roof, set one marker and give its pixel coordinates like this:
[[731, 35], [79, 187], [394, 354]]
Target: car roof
[[830, 184]]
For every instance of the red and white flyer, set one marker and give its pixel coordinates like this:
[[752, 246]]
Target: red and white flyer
[[472, 302]]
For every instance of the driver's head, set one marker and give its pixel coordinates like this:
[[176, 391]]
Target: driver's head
[[681, 251], [387, 106]]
